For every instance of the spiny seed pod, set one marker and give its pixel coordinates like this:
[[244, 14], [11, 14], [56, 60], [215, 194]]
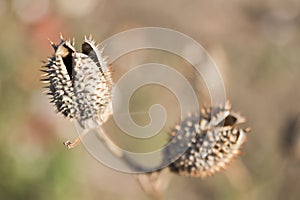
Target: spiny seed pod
[[79, 84], [209, 139]]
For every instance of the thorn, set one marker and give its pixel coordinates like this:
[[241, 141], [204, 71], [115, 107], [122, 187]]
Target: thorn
[[45, 92], [45, 75], [105, 59], [101, 50], [44, 79], [61, 36], [44, 70], [248, 129], [52, 44], [228, 105]]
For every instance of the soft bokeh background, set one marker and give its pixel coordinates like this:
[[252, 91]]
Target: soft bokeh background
[[255, 43]]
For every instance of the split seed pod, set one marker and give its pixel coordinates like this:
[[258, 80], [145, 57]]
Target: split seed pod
[[209, 139], [79, 84]]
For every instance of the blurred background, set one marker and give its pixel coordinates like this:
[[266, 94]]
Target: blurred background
[[256, 45]]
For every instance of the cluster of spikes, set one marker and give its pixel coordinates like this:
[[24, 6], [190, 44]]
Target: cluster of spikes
[[79, 84], [210, 139]]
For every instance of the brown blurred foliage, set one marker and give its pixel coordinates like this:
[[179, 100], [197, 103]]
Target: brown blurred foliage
[[256, 45]]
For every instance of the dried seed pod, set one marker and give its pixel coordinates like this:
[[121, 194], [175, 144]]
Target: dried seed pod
[[79, 84], [209, 139]]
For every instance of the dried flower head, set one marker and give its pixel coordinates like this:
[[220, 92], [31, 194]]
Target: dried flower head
[[79, 84], [210, 139]]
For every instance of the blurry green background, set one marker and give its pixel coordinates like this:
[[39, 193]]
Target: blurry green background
[[255, 43]]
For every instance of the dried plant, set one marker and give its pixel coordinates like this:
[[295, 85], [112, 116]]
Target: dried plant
[[80, 85]]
